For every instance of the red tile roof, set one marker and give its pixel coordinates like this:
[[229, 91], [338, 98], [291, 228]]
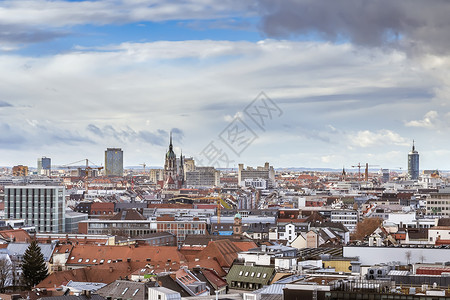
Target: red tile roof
[[86, 254], [18, 235], [224, 250], [245, 246]]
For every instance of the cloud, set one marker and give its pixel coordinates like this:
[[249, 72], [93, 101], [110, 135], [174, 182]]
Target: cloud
[[4, 104], [412, 24], [380, 138], [127, 135], [34, 134], [429, 121], [59, 13]]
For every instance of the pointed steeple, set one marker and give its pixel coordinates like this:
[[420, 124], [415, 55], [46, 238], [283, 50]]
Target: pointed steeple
[[170, 145]]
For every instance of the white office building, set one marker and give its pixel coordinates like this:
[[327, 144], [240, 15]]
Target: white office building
[[40, 206]]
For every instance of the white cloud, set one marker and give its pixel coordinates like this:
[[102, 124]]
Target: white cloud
[[429, 121], [198, 86], [380, 138], [59, 13]]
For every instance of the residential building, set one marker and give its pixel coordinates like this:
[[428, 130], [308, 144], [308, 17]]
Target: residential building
[[114, 162], [347, 217], [267, 173], [40, 206], [156, 175], [438, 204], [20, 170]]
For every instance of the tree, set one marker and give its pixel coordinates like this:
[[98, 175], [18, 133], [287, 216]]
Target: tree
[[5, 273], [34, 269]]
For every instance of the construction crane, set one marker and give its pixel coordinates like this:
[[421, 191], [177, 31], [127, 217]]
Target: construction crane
[[87, 168], [366, 173]]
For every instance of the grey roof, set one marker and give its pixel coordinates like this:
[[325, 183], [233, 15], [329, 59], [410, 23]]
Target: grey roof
[[20, 248], [125, 289], [82, 297], [85, 286], [273, 289]]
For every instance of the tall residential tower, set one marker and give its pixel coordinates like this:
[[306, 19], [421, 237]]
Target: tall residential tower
[[413, 164]]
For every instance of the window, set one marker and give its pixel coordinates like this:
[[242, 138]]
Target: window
[[80, 260], [246, 274], [264, 275], [102, 261], [124, 291], [109, 261], [253, 274], [94, 261], [258, 275], [135, 292], [73, 257], [240, 273], [87, 260]]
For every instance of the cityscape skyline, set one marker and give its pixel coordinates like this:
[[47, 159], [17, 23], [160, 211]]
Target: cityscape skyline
[[129, 72]]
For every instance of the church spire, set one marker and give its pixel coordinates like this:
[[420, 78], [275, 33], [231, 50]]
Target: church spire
[[413, 147], [170, 145]]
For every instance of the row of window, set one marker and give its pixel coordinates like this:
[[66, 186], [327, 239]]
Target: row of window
[[252, 274]]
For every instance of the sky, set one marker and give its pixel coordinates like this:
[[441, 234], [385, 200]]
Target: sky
[[297, 83]]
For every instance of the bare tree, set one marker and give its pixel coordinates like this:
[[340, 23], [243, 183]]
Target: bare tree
[[408, 257], [6, 270]]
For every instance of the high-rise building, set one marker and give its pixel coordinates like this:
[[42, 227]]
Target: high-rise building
[[413, 164], [44, 166], [40, 206], [114, 162]]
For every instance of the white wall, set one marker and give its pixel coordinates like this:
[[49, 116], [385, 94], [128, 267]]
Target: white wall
[[378, 255]]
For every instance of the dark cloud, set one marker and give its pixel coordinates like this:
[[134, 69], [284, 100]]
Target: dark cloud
[[4, 104], [12, 34], [159, 138], [21, 136], [416, 24], [365, 98]]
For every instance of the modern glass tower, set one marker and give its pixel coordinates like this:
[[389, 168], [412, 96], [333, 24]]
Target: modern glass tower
[[413, 164], [41, 206]]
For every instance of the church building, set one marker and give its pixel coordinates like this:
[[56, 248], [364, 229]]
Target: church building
[[173, 170]]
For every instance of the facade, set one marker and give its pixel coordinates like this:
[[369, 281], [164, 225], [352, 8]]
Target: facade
[[135, 228], [44, 166], [347, 217], [114, 162], [72, 220], [20, 170], [156, 175], [413, 164], [40, 206], [267, 173], [438, 204], [202, 177]]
